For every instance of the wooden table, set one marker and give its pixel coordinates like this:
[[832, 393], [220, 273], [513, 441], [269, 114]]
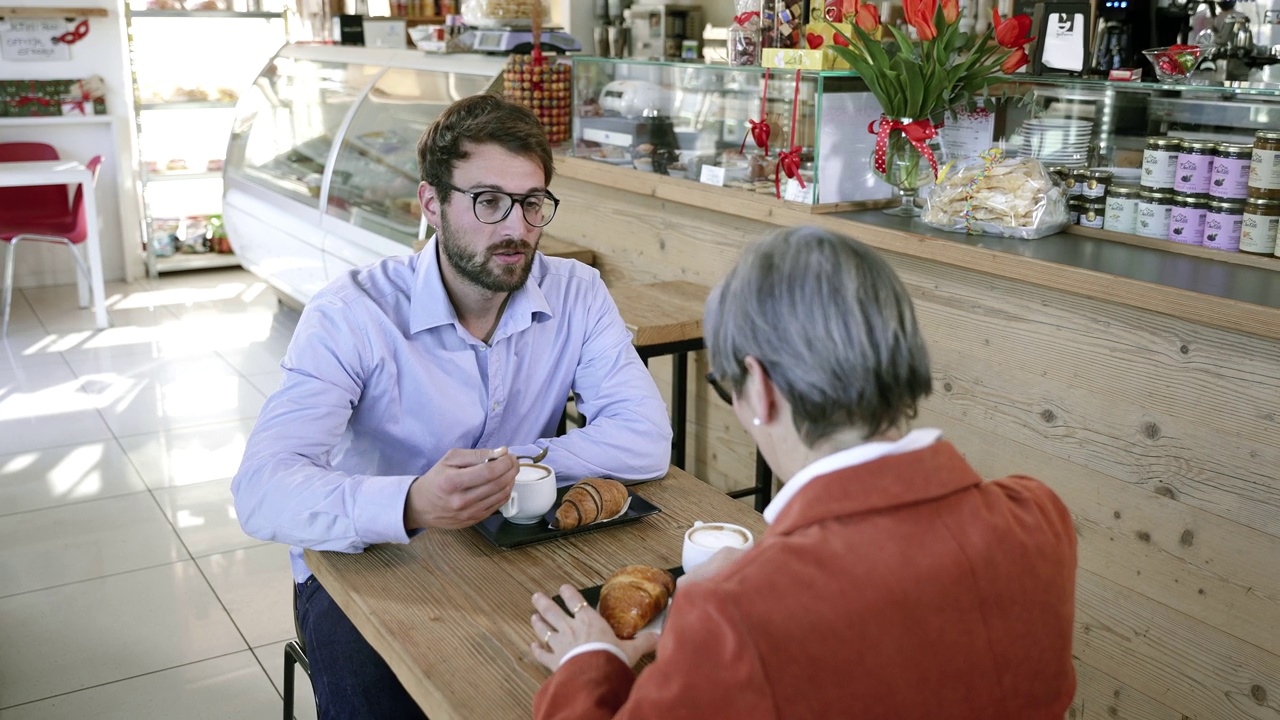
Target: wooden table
[[69, 172], [450, 613]]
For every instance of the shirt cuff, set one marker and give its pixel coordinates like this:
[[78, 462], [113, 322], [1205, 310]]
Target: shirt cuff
[[592, 647], [379, 509]]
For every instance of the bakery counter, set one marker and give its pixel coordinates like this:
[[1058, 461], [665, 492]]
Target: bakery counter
[[1143, 386], [1202, 289]]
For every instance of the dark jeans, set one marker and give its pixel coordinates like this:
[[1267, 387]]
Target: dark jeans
[[349, 677]]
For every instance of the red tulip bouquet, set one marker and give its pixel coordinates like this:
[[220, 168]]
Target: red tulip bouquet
[[916, 81]]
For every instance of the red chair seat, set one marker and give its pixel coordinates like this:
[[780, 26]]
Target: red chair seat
[[65, 227]]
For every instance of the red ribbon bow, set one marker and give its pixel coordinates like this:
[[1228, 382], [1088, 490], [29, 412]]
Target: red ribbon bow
[[28, 99], [788, 164], [917, 132], [745, 18], [760, 132]]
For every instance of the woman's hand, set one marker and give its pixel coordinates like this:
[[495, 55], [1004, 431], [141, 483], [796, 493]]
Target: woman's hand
[[559, 632]]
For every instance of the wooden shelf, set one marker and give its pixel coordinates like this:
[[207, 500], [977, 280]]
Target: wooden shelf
[[179, 175], [1236, 258], [206, 14], [56, 120], [187, 105], [52, 12]]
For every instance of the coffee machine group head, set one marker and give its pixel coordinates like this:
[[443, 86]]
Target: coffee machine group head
[[1121, 33]]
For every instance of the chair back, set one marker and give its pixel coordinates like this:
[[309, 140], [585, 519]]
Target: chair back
[[41, 202], [81, 230]]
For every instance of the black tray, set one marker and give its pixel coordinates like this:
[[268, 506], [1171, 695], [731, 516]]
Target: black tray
[[592, 594], [498, 531]]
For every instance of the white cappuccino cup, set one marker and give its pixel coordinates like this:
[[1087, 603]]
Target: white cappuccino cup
[[703, 540], [532, 496]]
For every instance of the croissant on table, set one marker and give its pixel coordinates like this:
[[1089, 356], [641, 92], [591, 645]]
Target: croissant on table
[[591, 499], [632, 596]]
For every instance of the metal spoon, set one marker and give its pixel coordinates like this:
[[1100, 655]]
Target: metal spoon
[[535, 459]]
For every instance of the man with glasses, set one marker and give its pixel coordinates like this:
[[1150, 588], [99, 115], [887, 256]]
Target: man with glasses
[[411, 386]]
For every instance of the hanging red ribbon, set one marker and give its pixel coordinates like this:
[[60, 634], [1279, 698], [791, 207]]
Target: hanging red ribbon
[[760, 131], [789, 160], [78, 105], [918, 132], [745, 18], [74, 36]]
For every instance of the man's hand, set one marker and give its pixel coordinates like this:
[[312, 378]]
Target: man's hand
[[465, 487]]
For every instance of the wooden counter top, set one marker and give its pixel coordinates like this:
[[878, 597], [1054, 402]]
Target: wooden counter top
[[1225, 295]]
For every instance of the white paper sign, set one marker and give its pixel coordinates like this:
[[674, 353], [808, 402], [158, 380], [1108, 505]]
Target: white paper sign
[[797, 194], [967, 134], [1064, 41], [33, 40], [712, 175]]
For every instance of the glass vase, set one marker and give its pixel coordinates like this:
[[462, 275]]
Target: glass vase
[[907, 169]]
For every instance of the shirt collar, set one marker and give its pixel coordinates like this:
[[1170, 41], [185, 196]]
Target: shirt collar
[[856, 455], [430, 305]]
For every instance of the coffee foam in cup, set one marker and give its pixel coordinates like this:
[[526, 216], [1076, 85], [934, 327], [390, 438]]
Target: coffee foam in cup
[[717, 536], [532, 473]]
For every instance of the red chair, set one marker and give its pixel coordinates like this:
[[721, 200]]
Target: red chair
[[41, 214]]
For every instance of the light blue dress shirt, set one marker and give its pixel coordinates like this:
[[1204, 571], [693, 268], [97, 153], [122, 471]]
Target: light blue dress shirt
[[381, 380]]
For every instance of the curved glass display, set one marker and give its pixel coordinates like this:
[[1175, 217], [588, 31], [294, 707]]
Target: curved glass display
[[374, 183], [287, 121]]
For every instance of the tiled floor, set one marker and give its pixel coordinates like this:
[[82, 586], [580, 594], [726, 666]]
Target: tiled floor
[[127, 589]]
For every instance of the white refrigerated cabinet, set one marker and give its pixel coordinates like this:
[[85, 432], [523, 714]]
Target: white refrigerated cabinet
[[322, 172]]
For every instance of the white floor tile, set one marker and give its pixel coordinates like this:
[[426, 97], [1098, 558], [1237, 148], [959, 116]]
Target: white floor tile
[[267, 382], [188, 456], [231, 686], [37, 479], [134, 405], [81, 319], [42, 406], [33, 347], [98, 631], [22, 317], [255, 585], [272, 658], [63, 298], [44, 548], [154, 367], [205, 517], [51, 430]]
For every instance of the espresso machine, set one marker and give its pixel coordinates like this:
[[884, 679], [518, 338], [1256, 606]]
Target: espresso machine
[[1122, 30], [1240, 41]]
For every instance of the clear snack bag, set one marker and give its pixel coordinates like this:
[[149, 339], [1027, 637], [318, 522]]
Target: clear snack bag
[[994, 195]]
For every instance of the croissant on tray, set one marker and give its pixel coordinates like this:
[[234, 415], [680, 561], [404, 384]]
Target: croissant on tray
[[632, 596], [591, 499]]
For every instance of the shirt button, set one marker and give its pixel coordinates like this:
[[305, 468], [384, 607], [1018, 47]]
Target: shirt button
[[495, 406]]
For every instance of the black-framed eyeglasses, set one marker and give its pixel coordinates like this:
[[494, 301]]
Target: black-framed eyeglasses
[[721, 390], [493, 206]]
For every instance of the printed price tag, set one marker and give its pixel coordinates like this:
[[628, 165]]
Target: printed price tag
[[712, 175], [795, 193]]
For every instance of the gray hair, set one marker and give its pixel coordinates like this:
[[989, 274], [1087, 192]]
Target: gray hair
[[833, 326]]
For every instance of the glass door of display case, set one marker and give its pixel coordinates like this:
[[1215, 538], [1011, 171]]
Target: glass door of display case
[[374, 183]]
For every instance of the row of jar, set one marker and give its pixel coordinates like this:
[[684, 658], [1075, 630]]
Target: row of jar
[[1250, 226], [1226, 171]]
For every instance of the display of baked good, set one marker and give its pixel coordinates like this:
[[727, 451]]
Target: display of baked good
[[633, 596], [546, 89], [176, 164], [589, 500], [1011, 196]]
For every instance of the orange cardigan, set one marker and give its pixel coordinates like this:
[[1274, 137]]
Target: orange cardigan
[[902, 588]]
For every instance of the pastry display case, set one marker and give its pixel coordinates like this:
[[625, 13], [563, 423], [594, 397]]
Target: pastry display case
[[322, 168], [695, 120]]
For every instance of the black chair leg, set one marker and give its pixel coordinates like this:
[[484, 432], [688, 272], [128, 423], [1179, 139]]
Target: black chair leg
[[289, 662], [679, 405]]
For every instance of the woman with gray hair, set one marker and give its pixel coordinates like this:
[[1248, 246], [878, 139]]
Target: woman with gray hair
[[893, 581]]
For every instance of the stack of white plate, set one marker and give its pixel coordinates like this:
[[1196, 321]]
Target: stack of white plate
[[1057, 141]]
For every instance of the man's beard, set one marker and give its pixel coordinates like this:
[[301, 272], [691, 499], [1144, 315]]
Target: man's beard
[[477, 270]]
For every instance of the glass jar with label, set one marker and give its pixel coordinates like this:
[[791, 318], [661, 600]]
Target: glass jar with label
[[1154, 209], [1095, 183], [1264, 168], [1160, 162], [1195, 167], [1231, 172], [1076, 182], [1260, 226], [1093, 212], [1186, 221], [1074, 207], [1222, 224], [1122, 209]]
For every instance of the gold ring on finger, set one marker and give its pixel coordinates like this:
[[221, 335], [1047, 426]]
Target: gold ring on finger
[[547, 638], [579, 606]]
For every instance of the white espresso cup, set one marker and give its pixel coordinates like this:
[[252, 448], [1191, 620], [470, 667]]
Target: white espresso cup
[[703, 540], [532, 496]]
